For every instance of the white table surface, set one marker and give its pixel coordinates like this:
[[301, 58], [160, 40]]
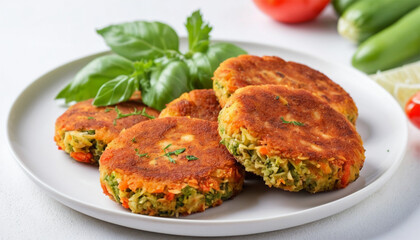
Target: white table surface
[[37, 36]]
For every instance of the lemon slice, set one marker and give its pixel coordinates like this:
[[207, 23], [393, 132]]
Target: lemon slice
[[403, 91], [402, 82]]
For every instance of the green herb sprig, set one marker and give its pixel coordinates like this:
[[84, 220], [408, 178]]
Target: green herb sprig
[[191, 157], [292, 122], [141, 154], [121, 115], [175, 152], [146, 57]]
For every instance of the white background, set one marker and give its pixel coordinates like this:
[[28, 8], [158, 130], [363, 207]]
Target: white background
[[37, 36]]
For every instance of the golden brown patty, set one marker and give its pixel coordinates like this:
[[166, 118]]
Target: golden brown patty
[[201, 104], [291, 138], [245, 70], [84, 127], [168, 159]]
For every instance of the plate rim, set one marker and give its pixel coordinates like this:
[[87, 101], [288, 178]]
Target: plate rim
[[358, 195]]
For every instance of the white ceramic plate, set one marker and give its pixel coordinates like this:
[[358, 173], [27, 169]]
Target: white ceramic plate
[[258, 208]]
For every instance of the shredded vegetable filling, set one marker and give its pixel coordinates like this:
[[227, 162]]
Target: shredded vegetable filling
[[188, 199], [83, 141], [288, 174]]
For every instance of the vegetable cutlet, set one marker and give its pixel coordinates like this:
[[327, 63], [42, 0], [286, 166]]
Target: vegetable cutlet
[[291, 138], [245, 70], [201, 104], [84, 130], [169, 167]]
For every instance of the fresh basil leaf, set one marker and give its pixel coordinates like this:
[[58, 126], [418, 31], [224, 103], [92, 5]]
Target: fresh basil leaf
[[198, 33], [202, 65], [167, 81], [90, 78], [140, 40], [142, 70], [119, 89]]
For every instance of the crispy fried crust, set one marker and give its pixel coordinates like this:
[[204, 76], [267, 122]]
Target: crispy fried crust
[[156, 172], [238, 72], [84, 116], [201, 104], [325, 135]]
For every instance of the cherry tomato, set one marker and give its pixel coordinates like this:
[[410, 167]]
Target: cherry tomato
[[292, 11], [412, 109]]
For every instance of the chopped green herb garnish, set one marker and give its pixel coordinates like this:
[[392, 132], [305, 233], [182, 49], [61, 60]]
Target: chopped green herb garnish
[[387, 150], [142, 112], [108, 109], [292, 122], [191, 157], [134, 140], [91, 118], [141, 154], [175, 152], [122, 115], [179, 151], [170, 158], [277, 97]]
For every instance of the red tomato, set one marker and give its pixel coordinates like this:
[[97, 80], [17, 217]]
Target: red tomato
[[292, 11], [412, 109]]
